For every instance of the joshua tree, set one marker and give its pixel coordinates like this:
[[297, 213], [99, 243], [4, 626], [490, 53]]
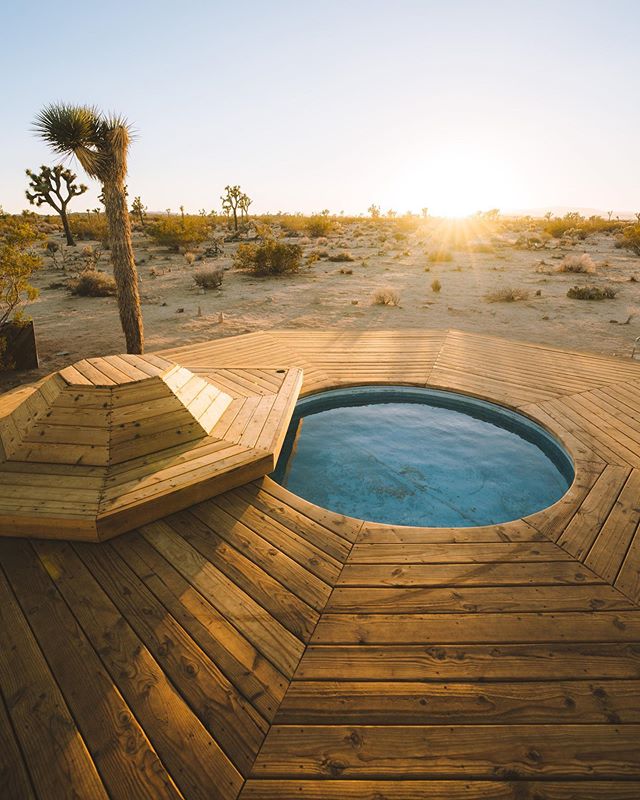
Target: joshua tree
[[231, 202], [424, 212], [374, 210], [54, 186], [243, 204], [100, 143], [139, 210]]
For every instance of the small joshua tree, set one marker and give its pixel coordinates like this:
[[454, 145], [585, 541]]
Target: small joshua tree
[[139, 210], [243, 204], [54, 186], [231, 202], [374, 210]]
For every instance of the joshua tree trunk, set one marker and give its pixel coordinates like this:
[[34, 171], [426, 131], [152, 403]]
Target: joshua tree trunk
[[67, 229], [124, 268]]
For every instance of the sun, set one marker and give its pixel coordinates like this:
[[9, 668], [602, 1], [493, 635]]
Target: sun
[[455, 183]]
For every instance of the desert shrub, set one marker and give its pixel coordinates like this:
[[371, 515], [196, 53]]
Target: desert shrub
[[342, 256], [387, 296], [176, 232], [507, 295], [440, 255], [17, 264], [318, 225], [578, 264], [591, 293], [90, 228], [92, 283], [631, 238], [271, 257], [436, 285], [529, 241], [209, 277]]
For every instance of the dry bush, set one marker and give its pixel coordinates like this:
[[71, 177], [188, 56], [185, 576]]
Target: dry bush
[[177, 232], [591, 293], [440, 255], [189, 257], [436, 285], [272, 257], [92, 283], [342, 256], [93, 228], [507, 295], [318, 225], [582, 263], [209, 277], [387, 296], [631, 238]]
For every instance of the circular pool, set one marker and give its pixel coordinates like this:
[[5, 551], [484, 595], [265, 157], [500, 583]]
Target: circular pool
[[409, 456]]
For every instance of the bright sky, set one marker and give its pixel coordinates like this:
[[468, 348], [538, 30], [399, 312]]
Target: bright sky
[[458, 105]]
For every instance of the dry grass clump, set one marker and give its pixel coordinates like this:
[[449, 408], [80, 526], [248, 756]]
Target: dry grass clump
[[387, 296], [578, 264], [440, 255], [342, 256], [92, 283], [209, 277], [507, 295], [436, 285], [592, 293]]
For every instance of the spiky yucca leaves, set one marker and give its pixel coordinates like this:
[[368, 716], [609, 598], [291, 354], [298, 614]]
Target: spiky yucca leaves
[[49, 186], [101, 142]]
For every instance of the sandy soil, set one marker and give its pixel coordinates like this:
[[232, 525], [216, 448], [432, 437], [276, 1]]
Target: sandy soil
[[339, 295]]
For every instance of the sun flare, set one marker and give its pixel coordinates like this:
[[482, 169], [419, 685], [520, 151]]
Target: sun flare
[[456, 184]]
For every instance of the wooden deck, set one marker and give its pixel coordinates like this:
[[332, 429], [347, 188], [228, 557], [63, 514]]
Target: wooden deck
[[256, 646]]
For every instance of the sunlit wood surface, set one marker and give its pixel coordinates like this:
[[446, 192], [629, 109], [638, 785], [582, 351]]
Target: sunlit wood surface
[[257, 646]]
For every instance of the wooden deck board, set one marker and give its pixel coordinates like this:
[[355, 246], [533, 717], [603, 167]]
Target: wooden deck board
[[255, 645]]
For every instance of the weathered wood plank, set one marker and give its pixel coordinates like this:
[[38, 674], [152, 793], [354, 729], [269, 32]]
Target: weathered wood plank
[[478, 751]]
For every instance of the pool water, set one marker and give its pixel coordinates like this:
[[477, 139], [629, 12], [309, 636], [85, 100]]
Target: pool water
[[411, 456]]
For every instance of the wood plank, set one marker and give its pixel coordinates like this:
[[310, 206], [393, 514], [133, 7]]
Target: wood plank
[[399, 789], [490, 600], [53, 748], [234, 724], [601, 626], [460, 553], [265, 633], [417, 703], [480, 751], [472, 662], [190, 754], [103, 717], [527, 573], [253, 675], [14, 776]]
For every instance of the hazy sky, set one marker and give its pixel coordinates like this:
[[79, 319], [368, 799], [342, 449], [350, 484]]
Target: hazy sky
[[457, 105]]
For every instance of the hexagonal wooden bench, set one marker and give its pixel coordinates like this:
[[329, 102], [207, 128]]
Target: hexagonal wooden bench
[[111, 443]]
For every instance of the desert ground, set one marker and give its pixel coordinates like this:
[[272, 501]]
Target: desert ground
[[341, 294]]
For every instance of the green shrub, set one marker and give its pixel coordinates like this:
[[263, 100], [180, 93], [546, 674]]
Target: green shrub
[[93, 283], [271, 257], [92, 228], [176, 232], [631, 238], [17, 264], [591, 293], [209, 277], [318, 225]]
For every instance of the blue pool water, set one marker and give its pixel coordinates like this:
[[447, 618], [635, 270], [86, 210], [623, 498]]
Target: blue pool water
[[410, 456]]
